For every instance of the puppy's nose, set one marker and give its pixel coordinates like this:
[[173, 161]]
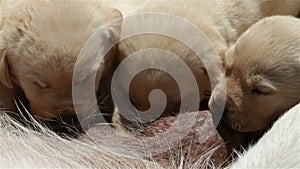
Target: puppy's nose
[[68, 110]]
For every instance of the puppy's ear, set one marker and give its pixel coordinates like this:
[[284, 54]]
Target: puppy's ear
[[263, 86], [229, 57], [111, 34], [116, 15], [5, 77], [228, 61], [101, 48], [113, 27]]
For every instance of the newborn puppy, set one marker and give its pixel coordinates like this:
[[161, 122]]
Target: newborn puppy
[[221, 22], [39, 45], [262, 74]]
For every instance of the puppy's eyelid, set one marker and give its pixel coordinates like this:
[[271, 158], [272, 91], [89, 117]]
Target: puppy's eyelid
[[38, 80], [262, 91], [41, 84], [264, 88], [262, 85]]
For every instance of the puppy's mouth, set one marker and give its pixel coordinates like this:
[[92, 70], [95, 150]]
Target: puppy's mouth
[[236, 124]]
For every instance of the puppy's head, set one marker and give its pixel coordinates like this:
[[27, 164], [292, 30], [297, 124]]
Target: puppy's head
[[262, 74], [170, 66], [39, 48]]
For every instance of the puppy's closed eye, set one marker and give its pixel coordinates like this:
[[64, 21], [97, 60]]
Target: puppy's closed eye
[[41, 84], [263, 86], [37, 80], [261, 90]]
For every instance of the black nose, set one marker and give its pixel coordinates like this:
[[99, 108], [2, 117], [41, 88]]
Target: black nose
[[226, 110], [204, 104]]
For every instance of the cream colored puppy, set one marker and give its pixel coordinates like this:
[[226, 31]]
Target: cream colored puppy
[[221, 21], [39, 44], [262, 74]]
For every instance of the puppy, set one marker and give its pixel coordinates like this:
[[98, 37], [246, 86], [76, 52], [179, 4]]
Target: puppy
[[262, 74], [39, 44], [220, 21]]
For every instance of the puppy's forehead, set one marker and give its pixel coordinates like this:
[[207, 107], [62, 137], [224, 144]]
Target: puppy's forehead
[[267, 50], [53, 31], [48, 75]]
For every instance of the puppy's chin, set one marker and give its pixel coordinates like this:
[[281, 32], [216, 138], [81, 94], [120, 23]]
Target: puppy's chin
[[243, 126]]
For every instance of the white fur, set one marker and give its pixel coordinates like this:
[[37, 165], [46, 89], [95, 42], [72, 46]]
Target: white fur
[[21, 147], [278, 148]]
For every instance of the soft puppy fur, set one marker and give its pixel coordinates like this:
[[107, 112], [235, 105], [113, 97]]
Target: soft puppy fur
[[262, 74], [39, 44], [221, 21]]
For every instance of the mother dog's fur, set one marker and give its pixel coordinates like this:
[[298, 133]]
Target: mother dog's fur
[[21, 147], [25, 148]]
